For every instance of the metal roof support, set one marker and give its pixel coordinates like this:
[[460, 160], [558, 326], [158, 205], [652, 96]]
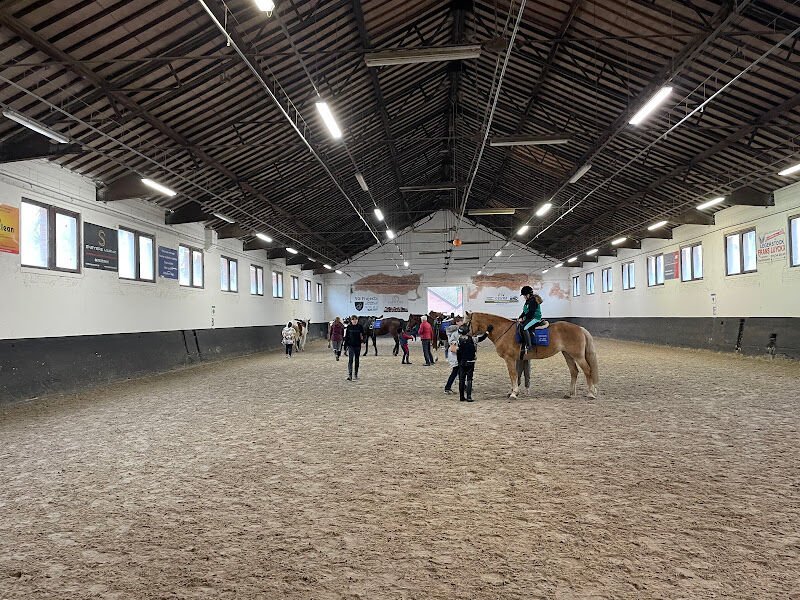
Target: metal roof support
[[35, 146]]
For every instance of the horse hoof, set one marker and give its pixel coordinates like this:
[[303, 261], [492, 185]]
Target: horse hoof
[[567, 396], [592, 397]]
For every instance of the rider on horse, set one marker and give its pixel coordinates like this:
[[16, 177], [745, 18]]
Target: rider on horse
[[530, 317]]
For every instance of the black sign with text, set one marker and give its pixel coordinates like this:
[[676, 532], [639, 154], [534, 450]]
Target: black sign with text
[[99, 247]]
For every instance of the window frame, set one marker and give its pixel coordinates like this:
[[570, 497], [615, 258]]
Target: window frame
[[576, 286], [257, 268], [740, 233], [192, 250], [631, 264], [791, 241], [607, 279], [691, 262], [655, 258], [309, 296], [294, 291], [136, 256], [277, 275], [319, 293], [228, 260], [52, 211], [588, 293]]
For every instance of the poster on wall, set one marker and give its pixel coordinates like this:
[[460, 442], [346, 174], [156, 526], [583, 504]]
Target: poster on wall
[[9, 229], [672, 265], [99, 247], [167, 262], [501, 299], [395, 303], [366, 303], [772, 246]]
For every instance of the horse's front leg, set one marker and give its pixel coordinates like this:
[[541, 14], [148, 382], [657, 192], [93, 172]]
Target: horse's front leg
[[396, 344], [511, 363], [573, 374]]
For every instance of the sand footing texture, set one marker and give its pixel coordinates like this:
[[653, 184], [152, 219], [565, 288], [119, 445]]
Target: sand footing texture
[[270, 478]]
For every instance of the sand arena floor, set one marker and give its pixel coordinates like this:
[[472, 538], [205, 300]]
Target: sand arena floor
[[271, 478]]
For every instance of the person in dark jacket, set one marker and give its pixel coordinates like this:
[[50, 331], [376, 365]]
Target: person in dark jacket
[[530, 317], [404, 337], [467, 354], [353, 338], [337, 336]]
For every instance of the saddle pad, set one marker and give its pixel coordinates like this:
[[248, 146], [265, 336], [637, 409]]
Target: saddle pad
[[541, 337], [445, 325], [377, 324]]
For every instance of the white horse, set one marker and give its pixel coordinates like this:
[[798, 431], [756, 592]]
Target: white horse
[[301, 329]]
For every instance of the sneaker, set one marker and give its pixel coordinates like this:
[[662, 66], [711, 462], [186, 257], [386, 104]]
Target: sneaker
[[355, 378], [462, 399], [470, 400], [448, 391], [349, 378]]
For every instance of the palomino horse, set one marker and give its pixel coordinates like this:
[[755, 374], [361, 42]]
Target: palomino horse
[[390, 326], [573, 341]]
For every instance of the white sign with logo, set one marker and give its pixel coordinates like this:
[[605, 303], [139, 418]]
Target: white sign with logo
[[395, 303], [501, 299], [366, 303], [772, 246]]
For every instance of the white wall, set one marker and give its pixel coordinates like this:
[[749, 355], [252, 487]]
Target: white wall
[[38, 303], [772, 291]]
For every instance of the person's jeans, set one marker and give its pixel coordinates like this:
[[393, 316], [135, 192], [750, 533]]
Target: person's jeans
[[426, 352], [354, 353], [465, 372], [451, 378], [289, 348]]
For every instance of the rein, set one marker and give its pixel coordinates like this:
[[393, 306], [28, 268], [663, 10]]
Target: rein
[[501, 335]]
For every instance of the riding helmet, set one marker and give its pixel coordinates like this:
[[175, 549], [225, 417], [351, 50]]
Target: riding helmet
[[463, 329], [526, 290]]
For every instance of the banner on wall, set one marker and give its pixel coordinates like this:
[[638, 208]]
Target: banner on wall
[[772, 246], [167, 262], [501, 299], [672, 265], [99, 247], [9, 229], [366, 303], [395, 303]]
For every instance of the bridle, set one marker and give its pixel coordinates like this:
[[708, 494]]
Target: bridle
[[469, 322]]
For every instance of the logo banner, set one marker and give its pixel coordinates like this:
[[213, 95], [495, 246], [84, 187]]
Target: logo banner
[[99, 247], [9, 229]]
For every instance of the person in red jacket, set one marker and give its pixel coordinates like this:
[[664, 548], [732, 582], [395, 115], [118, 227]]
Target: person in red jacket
[[426, 335], [337, 335], [404, 337]]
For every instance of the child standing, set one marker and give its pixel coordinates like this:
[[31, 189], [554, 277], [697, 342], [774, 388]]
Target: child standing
[[404, 337], [467, 354], [288, 336]]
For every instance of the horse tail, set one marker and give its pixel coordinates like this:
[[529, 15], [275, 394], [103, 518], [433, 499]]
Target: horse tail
[[591, 356]]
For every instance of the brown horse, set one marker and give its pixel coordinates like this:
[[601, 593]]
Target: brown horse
[[390, 326], [573, 341]]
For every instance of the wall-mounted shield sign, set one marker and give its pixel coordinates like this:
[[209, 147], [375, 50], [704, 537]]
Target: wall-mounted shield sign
[[359, 305]]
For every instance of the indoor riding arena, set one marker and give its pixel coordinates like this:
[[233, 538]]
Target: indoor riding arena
[[413, 299]]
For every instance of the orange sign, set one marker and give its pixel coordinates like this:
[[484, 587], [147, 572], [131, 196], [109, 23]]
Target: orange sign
[[9, 229]]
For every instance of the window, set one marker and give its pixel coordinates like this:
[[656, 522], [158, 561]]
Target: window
[[589, 284], [655, 270], [628, 276], [228, 274], [794, 241], [319, 292], [295, 288], [576, 286], [277, 285], [692, 262], [256, 280], [49, 237], [136, 255], [190, 266], [607, 280], [308, 290], [740, 252]]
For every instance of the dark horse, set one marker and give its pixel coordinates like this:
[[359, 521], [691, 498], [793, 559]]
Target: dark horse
[[389, 326], [436, 319]]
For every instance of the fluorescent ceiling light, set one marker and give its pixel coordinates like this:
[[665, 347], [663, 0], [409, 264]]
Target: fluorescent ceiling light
[[783, 173], [431, 187], [389, 58], [559, 265], [656, 225], [479, 272], [362, 182], [159, 187], [529, 140], [710, 203], [405, 263], [544, 209], [523, 230], [491, 211], [264, 237], [651, 105], [327, 266], [378, 214], [35, 126], [573, 259], [338, 272], [592, 252], [291, 250], [327, 116], [498, 253], [580, 173], [265, 5], [224, 218], [390, 234], [545, 271], [618, 241]]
